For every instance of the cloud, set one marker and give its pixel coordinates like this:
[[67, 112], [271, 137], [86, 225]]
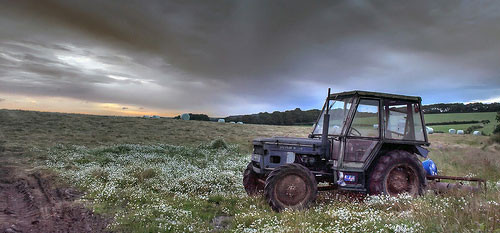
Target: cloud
[[2, 99], [490, 100], [248, 56], [124, 108]]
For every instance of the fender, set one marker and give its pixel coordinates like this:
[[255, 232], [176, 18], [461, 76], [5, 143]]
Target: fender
[[421, 151]]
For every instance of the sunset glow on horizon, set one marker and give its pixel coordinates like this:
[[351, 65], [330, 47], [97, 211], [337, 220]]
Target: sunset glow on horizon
[[68, 105]]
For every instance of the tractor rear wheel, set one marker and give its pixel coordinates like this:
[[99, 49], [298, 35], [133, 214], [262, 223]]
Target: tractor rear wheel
[[251, 181], [290, 186], [397, 172]]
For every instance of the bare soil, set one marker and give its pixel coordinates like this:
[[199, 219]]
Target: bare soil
[[30, 201]]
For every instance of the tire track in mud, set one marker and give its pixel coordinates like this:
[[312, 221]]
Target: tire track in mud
[[30, 202]]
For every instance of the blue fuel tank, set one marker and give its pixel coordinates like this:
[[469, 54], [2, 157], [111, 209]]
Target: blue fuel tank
[[430, 167]]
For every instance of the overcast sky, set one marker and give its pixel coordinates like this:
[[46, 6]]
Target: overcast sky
[[236, 57]]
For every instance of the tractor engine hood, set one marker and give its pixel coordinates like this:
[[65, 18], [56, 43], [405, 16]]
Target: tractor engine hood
[[269, 153]]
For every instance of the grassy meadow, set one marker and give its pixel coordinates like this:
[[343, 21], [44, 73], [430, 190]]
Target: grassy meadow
[[477, 116], [165, 175]]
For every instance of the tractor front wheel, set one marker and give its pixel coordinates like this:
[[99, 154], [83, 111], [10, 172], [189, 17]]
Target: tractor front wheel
[[290, 186], [251, 181], [397, 172]]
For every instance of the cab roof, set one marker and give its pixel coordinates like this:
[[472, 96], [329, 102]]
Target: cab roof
[[376, 94]]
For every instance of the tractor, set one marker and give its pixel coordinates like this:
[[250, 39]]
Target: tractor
[[362, 141]]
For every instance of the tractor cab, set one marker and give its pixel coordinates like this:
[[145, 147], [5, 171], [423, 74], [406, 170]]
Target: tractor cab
[[360, 124]]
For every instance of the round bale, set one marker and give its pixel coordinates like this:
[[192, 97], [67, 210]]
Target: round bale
[[429, 130], [477, 133], [452, 131], [221, 121], [185, 116], [460, 131]]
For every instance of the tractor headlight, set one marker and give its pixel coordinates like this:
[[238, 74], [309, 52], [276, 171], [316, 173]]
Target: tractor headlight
[[256, 157]]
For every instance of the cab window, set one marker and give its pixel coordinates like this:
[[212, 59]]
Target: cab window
[[366, 119], [403, 121]]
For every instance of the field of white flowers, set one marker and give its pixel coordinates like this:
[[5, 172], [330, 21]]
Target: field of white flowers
[[164, 188]]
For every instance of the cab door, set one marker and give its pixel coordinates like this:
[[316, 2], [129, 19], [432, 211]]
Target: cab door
[[363, 135]]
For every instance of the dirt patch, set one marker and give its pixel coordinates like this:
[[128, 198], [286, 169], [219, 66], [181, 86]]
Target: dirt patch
[[30, 202]]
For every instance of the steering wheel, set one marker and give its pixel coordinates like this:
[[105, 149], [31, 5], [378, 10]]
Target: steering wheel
[[356, 131]]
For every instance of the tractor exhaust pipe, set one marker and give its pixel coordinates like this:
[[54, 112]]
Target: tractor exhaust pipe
[[326, 124]]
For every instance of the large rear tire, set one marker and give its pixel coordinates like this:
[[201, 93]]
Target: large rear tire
[[290, 186], [251, 181], [397, 172]]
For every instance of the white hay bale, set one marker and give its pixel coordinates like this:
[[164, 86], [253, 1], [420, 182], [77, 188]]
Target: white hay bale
[[146, 116], [221, 121], [460, 131], [185, 116], [452, 131], [429, 130], [232, 122], [477, 133], [239, 122], [375, 126], [155, 117]]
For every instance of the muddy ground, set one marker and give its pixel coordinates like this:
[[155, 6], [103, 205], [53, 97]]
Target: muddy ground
[[30, 201]]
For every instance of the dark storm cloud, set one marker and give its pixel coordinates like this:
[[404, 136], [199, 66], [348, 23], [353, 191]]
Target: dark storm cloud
[[246, 56]]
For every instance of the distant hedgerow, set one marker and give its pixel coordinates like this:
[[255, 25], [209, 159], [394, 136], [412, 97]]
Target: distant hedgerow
[[497, 129]]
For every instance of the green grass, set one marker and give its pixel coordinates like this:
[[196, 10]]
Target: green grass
[[445, 128], [446, 117]]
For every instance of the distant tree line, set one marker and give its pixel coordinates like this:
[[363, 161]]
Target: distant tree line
[[195, 117], [460, 108], [300, 117], [458, 122], [290, 117]]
